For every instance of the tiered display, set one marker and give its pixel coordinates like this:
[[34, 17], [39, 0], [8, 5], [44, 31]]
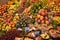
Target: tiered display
[[30, 20]]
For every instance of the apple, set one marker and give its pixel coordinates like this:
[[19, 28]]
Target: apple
[[38, 16], [47, 22], [42, 22], [5, 21], [57, 13], [58, 27], [57, 1], [46, 18], [38, 21], [42, 12], [41, 17], [8, 20]]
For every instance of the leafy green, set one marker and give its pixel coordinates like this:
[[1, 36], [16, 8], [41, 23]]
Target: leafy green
[[36, 7]]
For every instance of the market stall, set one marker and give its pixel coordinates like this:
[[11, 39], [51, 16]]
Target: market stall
[[30, 20]]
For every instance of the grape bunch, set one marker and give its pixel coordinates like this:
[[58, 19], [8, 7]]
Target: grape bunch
[[10, 35]]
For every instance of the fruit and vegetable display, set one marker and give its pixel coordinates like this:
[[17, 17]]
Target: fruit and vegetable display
[[30, 20]]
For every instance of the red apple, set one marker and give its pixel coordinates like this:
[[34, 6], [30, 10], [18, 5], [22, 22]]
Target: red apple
[[39, 12], [5, 21], [8, 20], [43, 12], [41, 17], [38, 20], [57, 13], [47, 22], [58, 27], [38, 16], [46, 18], [57, 1], [42, 22]]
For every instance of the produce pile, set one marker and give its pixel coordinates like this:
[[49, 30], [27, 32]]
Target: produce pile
[[30, 20]]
